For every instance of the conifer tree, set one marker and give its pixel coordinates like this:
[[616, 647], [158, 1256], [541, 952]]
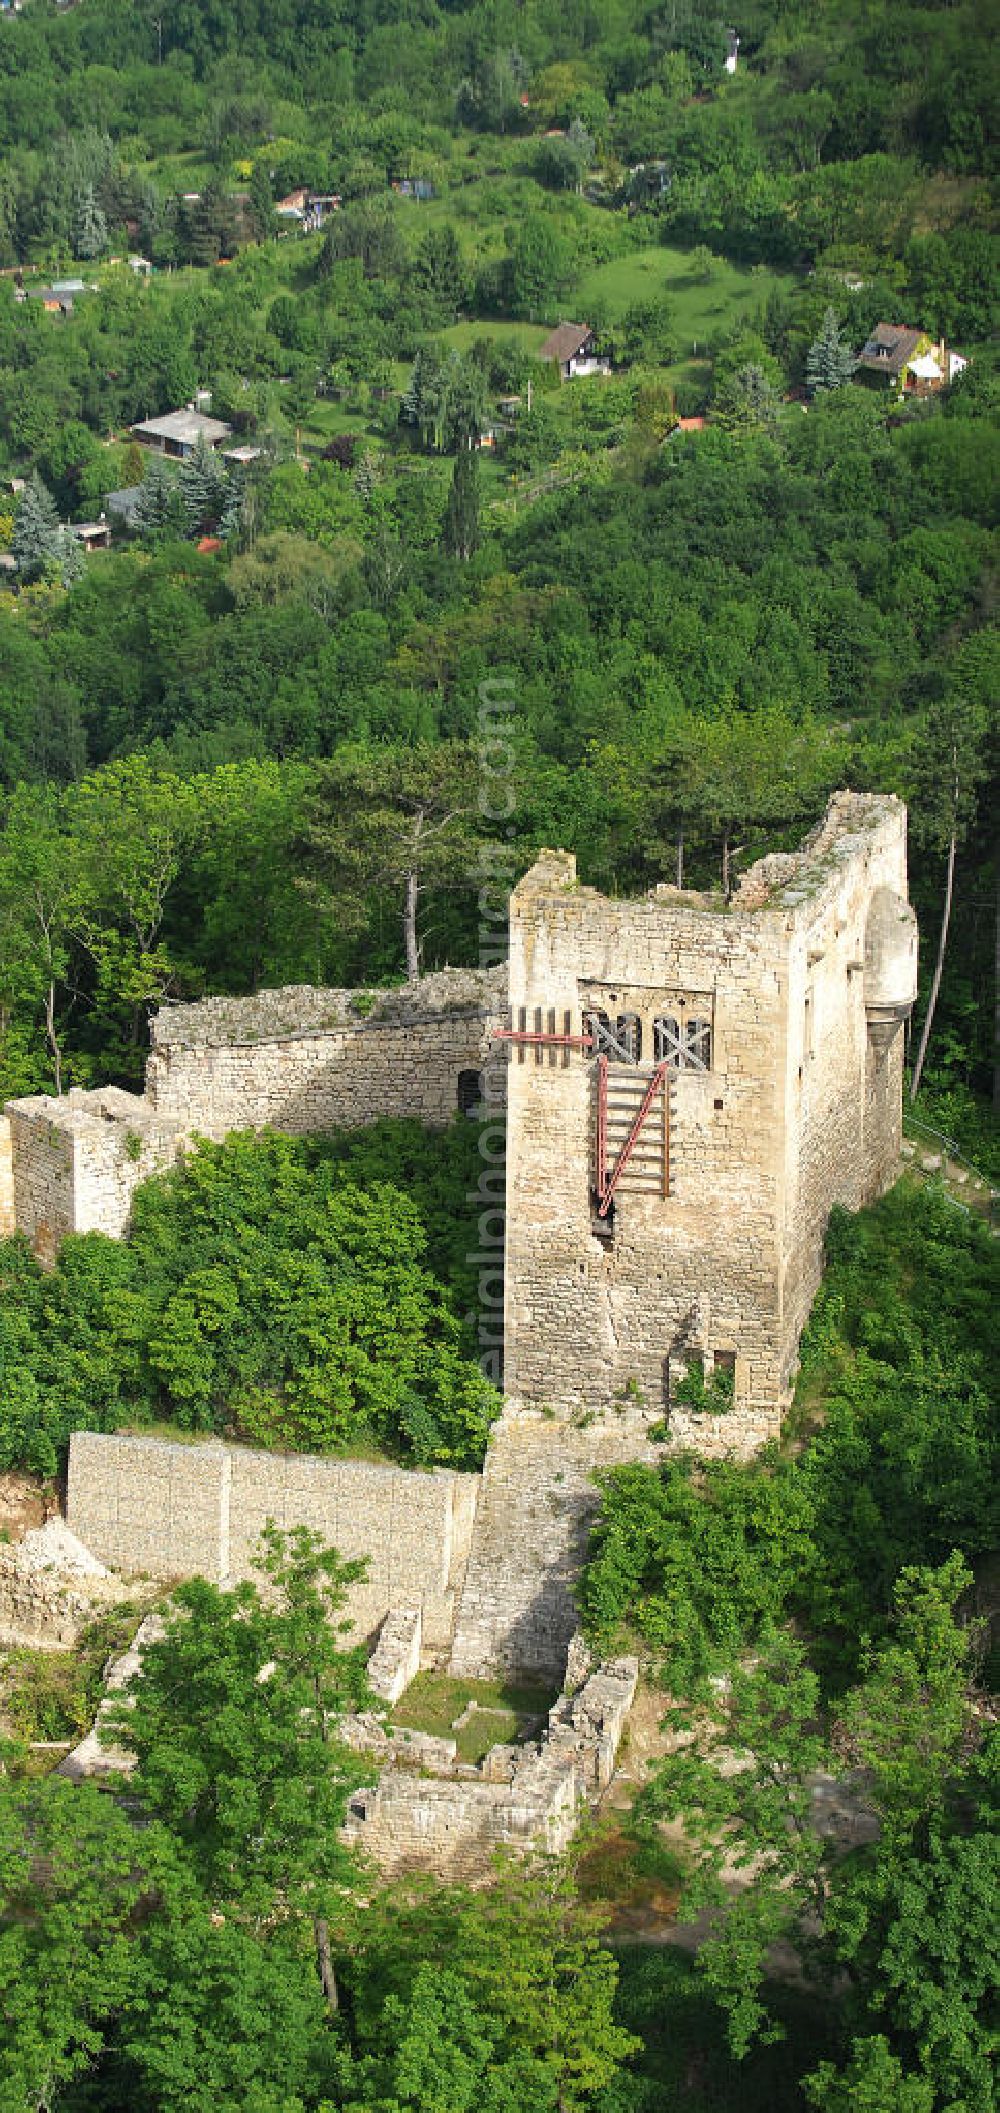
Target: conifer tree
[[90, 226], [36, 542], [829, 362], [69, 557], [203, 486], [159, 509]]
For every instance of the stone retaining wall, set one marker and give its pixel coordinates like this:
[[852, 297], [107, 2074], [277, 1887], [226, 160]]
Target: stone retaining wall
[[154, 1508]]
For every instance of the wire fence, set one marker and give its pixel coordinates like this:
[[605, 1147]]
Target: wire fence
[[914, 1126]]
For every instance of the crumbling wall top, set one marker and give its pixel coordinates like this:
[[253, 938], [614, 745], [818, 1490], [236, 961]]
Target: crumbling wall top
[[781, 881], [301, 1010], [88, 1111]]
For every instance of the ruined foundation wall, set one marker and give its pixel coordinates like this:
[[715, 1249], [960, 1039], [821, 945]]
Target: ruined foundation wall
[[153, 1508], [521, 1798]]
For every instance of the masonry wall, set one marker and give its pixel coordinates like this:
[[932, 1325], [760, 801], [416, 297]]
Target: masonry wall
[[77, 1160], [154, 1508], [8, 1220], [791, 1117], [845, 1046], [313, 1060], [588, 1319], [43, 1174], [302, 1060], [521, 1797]]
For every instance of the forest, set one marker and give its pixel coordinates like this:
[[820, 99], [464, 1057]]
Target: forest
[[241, 745]]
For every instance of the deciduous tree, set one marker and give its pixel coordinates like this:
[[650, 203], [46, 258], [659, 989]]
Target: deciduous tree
[[401, 819]]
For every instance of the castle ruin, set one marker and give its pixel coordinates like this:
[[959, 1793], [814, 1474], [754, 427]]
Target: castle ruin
[[690, 1086]]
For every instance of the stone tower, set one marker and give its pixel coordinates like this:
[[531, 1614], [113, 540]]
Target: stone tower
[[708, 1079]]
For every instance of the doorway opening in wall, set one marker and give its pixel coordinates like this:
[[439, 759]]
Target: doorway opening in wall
[[469, 1093], [723, 1377], [703, 1385], [602, 1227]]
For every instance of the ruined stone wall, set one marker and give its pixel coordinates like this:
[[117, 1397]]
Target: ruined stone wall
[[713, 1247], [590, 1318], [300, 1060], [844, 1053], [158, 1509], [521, 1798], [46, 1611], [51, 1587], [312, 1060], [77, 1161], [8, 1219], [43, 1170]]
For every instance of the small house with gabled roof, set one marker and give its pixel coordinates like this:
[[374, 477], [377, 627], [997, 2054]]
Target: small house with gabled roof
[[573, 346], [179, 432], [900, 357]]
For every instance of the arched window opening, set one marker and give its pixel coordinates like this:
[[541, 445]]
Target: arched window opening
[[630, 1035], [668, 1042], [683, 1045], [699, 1045], [620, 1039], [470, 1092], [598, 1026]]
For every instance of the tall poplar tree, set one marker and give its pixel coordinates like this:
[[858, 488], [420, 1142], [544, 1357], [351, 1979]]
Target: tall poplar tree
[[460, 534]]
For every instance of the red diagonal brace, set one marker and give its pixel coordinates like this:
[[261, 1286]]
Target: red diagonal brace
[[606, 1187], [602, 1125]]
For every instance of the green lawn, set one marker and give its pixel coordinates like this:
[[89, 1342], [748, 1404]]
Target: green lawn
[[528, 336], [506, 1711], [704, 308]]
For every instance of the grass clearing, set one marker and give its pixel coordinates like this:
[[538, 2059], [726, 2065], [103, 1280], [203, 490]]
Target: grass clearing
[[705, 308], [505, 1712], [526, 336]]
